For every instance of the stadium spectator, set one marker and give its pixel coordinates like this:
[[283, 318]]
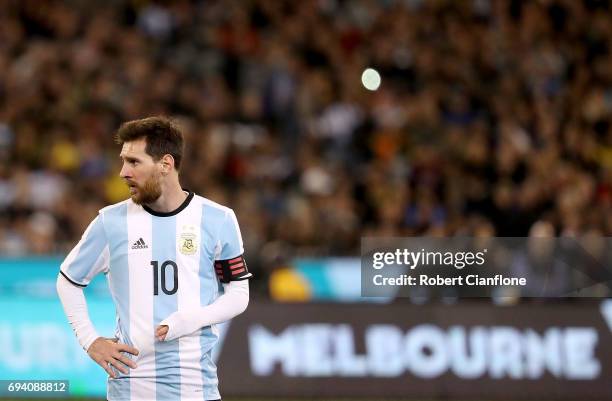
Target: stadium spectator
[[497, 112]]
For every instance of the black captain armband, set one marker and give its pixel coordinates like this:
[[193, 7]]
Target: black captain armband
[[234, 269]]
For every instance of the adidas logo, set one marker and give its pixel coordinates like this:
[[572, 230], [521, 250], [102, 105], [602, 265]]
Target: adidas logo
[[140, 244]]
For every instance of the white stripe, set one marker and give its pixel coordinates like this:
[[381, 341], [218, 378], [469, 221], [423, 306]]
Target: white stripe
[[188, 298], [218, 249], [142, 332]]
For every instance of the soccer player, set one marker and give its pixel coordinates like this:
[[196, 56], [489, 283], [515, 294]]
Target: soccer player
[[175, 268]]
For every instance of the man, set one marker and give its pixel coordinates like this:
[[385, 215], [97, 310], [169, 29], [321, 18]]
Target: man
[[174, 266]]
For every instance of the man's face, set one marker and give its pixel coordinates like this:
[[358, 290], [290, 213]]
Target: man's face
[[141, 173]]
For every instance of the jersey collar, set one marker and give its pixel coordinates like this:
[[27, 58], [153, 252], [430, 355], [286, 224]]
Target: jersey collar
[[175, 211]]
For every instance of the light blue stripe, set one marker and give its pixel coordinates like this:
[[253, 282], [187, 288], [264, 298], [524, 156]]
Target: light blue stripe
[[209, 288], [230, 240], [89, 252], [167, 361], [209, 369], [115, 222]]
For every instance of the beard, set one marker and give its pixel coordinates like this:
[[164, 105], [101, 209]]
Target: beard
[[149, 192]]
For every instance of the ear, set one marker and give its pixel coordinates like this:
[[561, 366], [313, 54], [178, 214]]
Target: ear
[[167, 162]]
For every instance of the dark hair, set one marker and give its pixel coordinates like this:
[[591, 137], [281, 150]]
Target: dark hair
[[162, 136]]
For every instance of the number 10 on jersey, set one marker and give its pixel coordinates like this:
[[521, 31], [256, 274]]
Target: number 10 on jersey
[[161, 271]]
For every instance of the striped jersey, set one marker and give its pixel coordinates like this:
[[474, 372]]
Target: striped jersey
[[158, 263]]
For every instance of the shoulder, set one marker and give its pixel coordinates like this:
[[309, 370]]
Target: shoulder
[[215, 214], [212, 208], [115, 209]]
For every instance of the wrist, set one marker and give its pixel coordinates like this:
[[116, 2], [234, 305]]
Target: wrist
[[87, 340], [179, 324]]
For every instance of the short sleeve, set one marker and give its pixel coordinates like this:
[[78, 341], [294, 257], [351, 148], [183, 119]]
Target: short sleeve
[[230, 237], [231, 266], [89, 257]]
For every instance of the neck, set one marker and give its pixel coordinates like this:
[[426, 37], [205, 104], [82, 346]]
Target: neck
[[171, 198]]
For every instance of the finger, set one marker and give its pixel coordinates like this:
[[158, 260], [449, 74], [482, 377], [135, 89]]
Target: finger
[[127, 348], [125, 360], [161, 333], [105, 365], [119, 366]]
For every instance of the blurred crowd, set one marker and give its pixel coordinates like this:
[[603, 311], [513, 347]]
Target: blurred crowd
[[492, 116]]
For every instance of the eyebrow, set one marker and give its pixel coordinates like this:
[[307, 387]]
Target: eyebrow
[[129, 158]]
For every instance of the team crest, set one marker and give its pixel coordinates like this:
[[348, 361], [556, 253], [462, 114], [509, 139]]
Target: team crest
[[188, 243]]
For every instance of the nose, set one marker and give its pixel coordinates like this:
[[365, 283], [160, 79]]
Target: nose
[[125, 171]]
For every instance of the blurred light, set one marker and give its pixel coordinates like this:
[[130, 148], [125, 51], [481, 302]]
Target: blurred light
[[370, 79]]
